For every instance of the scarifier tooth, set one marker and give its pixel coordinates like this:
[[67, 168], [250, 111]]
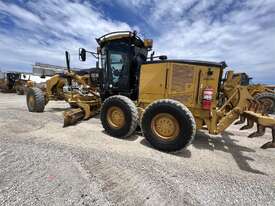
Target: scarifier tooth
[[241, 121], [67, 123], [268, 145], [272, 143], [249, 125], [260, 132]]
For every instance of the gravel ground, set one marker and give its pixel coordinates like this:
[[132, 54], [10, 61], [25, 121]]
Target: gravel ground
[[42, 163]]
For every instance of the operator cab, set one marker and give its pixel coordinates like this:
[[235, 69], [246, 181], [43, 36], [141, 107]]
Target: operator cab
[[245, 80], [12, 77], [120, 55]]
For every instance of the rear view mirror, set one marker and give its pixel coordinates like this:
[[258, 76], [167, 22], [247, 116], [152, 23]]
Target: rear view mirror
[[82, 54]]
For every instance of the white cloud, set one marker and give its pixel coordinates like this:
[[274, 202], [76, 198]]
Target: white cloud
[[45, 29], [19, 13], [239, 32]]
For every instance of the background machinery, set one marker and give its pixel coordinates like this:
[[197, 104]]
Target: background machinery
[[260, 92], [169, 99], [14, 82], [78, 88]]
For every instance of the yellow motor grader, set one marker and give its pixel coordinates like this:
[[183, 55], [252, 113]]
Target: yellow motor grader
[[11, 82], [169, 99], [77, 87], [260, 92]]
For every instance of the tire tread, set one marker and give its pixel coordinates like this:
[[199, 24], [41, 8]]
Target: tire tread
[[181, 107], [39, 99], [134, 114]]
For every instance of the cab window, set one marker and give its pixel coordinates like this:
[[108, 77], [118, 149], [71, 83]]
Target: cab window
[[117, 64]]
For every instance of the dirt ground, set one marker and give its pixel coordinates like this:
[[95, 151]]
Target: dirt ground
[[42, 163]]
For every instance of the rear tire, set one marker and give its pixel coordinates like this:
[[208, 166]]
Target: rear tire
[[35, 100], [269, 97], [168, 125], [119, 116]]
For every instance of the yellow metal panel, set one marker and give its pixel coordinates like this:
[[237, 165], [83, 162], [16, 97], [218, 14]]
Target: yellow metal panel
[[152, 82], [179, 81], [182, 83], [186, 83]]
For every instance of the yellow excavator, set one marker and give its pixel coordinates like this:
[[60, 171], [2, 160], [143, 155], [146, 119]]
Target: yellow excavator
[[169, 99]]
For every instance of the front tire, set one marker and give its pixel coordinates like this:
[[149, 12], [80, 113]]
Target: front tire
[[35, 100], [119, 116], [168, 125]]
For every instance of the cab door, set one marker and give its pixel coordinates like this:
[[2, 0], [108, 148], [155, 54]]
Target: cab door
[[118, 71]]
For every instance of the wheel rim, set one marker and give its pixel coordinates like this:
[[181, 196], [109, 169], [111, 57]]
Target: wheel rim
[[165, 126], [31, 101], [115, 117]]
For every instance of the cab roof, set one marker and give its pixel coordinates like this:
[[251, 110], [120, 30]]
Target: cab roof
[[119, 35]]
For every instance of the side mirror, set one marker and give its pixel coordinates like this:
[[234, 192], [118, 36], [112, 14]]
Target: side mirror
[[98, 50], [82, 54]]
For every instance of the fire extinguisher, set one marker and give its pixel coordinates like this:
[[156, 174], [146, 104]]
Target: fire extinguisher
[[207, 98]]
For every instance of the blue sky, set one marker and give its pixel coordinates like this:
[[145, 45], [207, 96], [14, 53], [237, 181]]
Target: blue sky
[[241, 32]]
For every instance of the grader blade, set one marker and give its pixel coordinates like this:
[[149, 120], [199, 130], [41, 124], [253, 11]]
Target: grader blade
[[72, 116]]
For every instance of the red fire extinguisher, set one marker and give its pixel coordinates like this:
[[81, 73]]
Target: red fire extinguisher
[[207, 98]]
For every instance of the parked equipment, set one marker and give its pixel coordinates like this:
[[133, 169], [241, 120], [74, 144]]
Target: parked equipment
[[169, 99], [260, 92], [14, 82], [76, 88]]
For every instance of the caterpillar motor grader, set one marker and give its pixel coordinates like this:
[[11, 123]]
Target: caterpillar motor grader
[[169, 99], [11, 82], [260, 92], [78, 88]]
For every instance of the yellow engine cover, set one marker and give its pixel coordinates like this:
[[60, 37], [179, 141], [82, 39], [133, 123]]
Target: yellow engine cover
[[182, 81]]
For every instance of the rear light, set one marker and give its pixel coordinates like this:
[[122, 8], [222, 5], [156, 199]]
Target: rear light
[[207, 98]]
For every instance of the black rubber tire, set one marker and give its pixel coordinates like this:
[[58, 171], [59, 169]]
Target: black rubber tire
[[131, 116], [39, 100], [183, 116], [267, 95]]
